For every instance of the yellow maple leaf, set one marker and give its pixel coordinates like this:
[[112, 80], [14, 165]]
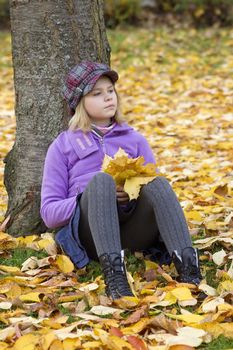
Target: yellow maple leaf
[[68, 298], [34, 296], [130, 172], [64, 263], [52, 324], [72, 344], [5, 287], [25, 241], [182, 293], [225, 286], [46, 340], [3, 346], [216, 329], [151, 265], [170, 298], [127, 302], [56, 345], [7, 241], [10, 269], [95, 344], [133, 185], [27, 342], [137, 327], [184, 296], [46, 242], [117, 343], [102, 334], [121, 167], [189, 318], [14, 292]]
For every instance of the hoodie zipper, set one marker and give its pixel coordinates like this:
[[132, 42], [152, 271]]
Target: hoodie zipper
[[102, 144]]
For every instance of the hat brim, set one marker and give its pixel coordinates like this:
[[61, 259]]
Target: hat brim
[[112, 75]]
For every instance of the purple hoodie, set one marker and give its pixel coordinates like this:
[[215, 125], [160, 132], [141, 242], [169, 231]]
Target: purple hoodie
[[73, 159]]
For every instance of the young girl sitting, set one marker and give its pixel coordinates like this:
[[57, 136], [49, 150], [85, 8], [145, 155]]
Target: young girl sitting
[[95, 218]]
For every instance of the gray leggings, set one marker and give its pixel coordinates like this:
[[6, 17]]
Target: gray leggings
[[105, 227]]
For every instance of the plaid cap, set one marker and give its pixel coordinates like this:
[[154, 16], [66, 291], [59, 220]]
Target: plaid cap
[[81, 80]]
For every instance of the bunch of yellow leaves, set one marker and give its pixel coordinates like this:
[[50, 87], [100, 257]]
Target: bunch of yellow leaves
[[129, 172]]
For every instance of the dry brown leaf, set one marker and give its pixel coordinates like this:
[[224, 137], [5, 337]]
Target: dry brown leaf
[[136, 315]]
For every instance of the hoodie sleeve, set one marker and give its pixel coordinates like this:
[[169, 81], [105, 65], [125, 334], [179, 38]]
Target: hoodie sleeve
[[145, 150], [56, 207]]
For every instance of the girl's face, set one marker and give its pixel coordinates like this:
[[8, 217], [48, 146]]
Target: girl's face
[[101, 102]]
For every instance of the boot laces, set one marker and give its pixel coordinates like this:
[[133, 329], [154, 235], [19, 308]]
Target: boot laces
[[121, 278], [116, 278], [192, 270], [122, 284]]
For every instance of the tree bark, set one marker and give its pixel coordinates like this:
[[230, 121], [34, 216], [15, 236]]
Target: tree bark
[[48, 38]]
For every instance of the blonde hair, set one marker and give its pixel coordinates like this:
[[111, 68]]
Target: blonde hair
[[81, 120]]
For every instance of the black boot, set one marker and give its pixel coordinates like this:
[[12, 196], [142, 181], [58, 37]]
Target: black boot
[[115, 278], [187, 265]]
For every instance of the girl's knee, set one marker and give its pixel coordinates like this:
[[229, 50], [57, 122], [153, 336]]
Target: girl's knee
[[103, 178], [159, 181], [156, 185]]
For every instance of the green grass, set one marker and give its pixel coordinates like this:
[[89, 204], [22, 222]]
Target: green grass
[[65, 311], [134, 264], [221, 343], [19, 255], [211, 274], [93, 269]]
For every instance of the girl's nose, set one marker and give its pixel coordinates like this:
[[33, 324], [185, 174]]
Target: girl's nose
[[108, 96]]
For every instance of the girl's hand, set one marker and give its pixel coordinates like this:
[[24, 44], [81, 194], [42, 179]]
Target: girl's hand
[[122, 196]]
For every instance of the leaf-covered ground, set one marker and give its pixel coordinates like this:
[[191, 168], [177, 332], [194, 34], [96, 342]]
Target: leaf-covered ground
[[176, 87]]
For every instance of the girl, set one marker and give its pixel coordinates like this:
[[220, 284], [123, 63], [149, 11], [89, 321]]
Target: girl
[[95, 218]]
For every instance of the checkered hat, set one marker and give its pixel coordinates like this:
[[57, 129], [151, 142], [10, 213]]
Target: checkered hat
[[81, 80]]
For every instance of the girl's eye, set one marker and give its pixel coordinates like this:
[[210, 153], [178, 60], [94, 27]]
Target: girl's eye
[[96, 94], [112, 90]]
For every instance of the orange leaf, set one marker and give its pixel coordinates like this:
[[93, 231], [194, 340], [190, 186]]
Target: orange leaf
[[136, 342], [116, 331]]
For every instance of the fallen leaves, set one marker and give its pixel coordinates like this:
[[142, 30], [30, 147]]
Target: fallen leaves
[[104, 325], [64, 263], [187, 336], [183, 296], [7, 241], [222, 238]]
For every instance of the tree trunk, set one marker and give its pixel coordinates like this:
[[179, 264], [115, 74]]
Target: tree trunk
[[48, 38]]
